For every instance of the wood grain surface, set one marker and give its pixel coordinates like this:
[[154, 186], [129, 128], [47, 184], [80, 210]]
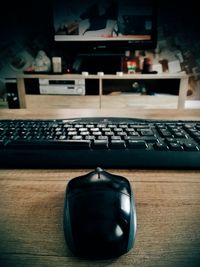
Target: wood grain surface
[[31, 218], [31, 211], [114, 101], [45, 113]]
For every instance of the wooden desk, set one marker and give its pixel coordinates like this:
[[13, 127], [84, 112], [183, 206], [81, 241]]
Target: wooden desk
[[167, 204]]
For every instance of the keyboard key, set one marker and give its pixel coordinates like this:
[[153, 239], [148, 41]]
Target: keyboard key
[[137, 144], [160, 146], [117, 144], [100, 144], [49, 144], [190, 147], [175, 146]]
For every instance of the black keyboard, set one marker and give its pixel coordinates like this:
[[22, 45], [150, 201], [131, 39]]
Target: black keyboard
[[103, 142]]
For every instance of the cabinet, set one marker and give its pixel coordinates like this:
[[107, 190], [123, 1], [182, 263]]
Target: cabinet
[[183, 83]]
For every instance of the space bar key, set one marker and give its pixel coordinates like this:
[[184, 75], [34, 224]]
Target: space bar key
[[49, 144]]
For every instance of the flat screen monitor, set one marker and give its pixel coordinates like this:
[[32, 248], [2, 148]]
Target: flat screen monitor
[[110, 25]]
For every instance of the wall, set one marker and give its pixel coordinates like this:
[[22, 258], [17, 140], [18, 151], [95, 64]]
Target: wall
[[178, 38]]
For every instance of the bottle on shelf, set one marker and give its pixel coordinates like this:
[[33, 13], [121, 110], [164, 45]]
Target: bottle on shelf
[[147, 65], [129, 63]]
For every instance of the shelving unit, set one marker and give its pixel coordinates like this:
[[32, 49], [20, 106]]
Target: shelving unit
[[183, 86]]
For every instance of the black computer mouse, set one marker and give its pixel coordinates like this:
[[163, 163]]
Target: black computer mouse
[[99, 215]]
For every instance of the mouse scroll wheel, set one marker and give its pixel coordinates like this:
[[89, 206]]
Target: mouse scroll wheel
[[99, 171]]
